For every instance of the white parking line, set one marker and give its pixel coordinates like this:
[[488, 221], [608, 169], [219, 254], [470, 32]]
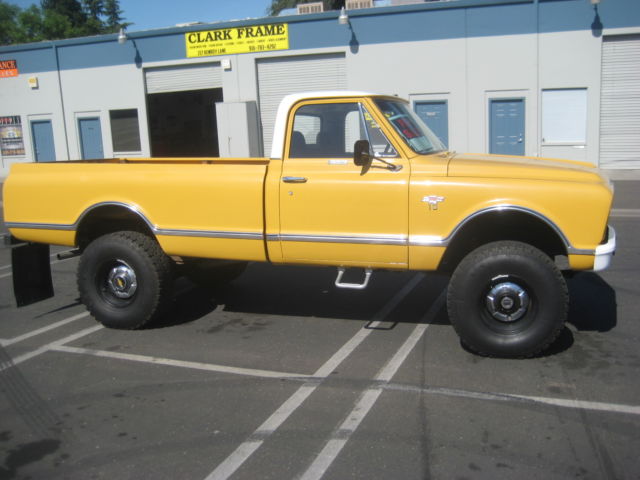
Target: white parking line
[[49, 346], [506, 397], [39, 331], [249, 446], [625, 212], [369, 397], [210, 367]]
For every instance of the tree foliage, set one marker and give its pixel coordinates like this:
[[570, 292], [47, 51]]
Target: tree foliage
[[57, 19], [278, 5]]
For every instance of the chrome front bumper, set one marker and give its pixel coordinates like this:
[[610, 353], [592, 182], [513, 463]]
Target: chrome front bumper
[[605, 252]]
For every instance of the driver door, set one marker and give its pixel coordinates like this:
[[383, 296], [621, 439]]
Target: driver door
[[332, 211]]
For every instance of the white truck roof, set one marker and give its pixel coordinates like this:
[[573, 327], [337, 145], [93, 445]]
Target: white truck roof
[[280, 127]]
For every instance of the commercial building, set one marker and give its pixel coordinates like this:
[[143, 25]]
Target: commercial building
[[555, 78]]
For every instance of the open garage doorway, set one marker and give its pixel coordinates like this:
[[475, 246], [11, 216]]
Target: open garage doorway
[[183, 124]]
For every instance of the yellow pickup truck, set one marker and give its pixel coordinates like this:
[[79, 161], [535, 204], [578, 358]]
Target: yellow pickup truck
[[353, 180]]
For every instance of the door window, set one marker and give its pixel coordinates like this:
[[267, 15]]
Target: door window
[[330, 130]]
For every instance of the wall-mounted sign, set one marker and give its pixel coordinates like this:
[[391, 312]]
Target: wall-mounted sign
[[229, 41], [11, 142], [8, 68]]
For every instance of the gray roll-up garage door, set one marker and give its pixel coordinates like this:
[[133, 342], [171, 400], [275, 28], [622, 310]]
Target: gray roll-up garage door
[[620, 102], [278, 77], [181, 78]]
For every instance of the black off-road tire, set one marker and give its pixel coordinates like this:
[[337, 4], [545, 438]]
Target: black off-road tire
[[507, 299], [108, 269]]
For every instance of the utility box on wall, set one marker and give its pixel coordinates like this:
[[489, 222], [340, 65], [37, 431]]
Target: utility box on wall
[[238, 129]]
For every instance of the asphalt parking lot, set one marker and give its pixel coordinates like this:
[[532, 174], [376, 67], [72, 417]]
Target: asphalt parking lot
[[282, 376]]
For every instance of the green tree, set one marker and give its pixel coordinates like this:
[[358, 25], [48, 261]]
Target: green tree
[[30, 25], [57, 19], [69, 9], [114, 19], [8, 22], [94, 9], [278, 5]]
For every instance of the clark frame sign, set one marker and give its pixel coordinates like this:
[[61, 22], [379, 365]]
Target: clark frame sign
[[230, 41]]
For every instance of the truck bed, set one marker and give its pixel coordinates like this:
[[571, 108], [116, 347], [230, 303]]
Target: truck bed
[[197, 206]]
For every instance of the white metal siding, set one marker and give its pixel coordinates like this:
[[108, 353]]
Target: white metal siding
[[620, 102], [182, 78], [282, 76]]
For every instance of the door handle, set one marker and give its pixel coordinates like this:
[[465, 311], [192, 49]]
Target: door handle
[[294, 179]]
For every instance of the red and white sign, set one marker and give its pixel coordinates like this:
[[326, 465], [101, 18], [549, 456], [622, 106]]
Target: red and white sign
[[8, 68]]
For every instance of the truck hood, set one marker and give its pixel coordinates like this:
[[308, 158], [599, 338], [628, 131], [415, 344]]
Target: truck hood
[[531, 168]]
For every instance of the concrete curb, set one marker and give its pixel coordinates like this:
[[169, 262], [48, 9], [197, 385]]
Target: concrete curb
[[623, 175]]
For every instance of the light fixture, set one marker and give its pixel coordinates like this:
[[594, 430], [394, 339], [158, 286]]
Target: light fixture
[[595, 2], [343, 19], [122, 37]]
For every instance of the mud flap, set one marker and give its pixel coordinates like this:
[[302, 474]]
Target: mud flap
[[31, 273]]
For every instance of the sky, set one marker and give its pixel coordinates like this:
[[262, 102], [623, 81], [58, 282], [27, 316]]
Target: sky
[[148, 14]]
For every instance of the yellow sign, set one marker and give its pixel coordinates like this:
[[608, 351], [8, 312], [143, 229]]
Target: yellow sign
[[228, 41]]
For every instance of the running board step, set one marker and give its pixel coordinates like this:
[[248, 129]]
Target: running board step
[[354, 286]]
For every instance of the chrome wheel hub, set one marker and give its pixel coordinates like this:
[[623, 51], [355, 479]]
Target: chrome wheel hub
[[507, 302], [121, 281]]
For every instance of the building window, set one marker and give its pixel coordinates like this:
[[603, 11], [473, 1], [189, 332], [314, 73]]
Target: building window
[[125, 131], [564, 116], [11, 141]]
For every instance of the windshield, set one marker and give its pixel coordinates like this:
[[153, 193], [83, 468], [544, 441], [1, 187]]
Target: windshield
[[410, 127]]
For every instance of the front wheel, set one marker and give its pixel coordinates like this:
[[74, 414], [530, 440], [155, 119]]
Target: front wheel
[[507, 299], [124, 279]]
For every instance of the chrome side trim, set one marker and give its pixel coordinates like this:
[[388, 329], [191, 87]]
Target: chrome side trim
[[397, 240], [434, 241], [134, 209], [40, 226], [428, 241], [74, 226], [208, 234], [373, 240]]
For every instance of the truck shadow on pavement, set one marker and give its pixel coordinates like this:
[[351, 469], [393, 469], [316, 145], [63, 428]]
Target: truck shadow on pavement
[[592, 308], [592, 305], [310, 292], [294, 291]]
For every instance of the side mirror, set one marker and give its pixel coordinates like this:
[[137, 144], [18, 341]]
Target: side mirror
[[361, 155]]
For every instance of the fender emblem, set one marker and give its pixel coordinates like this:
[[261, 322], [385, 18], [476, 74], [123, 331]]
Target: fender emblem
[[433, 201]]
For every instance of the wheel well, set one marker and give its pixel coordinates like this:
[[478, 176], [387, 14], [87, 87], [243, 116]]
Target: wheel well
[[108, 219], [502, 225]]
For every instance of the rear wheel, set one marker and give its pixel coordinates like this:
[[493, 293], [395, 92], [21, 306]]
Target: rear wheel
[[124, 279], [507, 299]]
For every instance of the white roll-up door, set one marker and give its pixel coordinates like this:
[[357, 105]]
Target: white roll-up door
[[620, 102], [181, 78], [278, 77]]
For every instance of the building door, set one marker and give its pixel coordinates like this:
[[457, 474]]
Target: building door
[[90, 138], [181, 109], [620, 102], [436, 116], [278, 77], [184, 124], [506, 126], [43, 145]]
